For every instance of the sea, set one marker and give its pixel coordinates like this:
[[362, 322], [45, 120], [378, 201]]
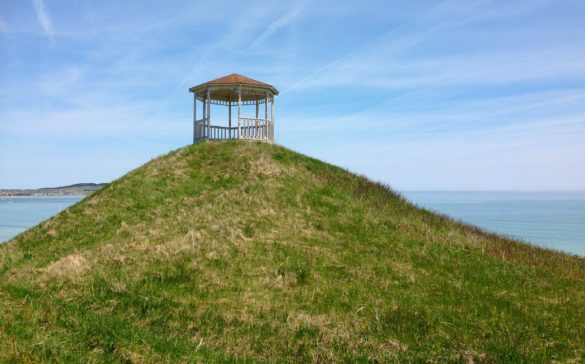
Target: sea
[[20, 213], [553, 220]]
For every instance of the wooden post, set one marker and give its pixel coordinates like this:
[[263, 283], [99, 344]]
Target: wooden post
[[266, 126], [239, 107], [208, 113], [202, 128], [256, 122], [272, 116], [194, 117], [266, 107], [230, 118]]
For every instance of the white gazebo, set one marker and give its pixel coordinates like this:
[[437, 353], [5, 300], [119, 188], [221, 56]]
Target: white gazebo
[[240, 91]]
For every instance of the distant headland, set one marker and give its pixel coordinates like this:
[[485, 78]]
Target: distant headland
[[78, 189]]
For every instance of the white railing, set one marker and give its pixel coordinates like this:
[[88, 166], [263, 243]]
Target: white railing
[[250, 128], [213, 132], [257, 129], [222, 132]]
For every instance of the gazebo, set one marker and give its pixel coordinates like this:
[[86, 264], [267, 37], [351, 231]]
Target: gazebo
[[230, 91]]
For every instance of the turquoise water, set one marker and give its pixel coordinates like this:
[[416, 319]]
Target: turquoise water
[[20, 213], [549, 219]]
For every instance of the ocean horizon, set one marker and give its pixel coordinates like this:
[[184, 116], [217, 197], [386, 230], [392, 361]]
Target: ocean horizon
[[550, 219]]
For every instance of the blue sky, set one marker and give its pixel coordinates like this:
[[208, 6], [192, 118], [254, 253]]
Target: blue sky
[[425, 95]]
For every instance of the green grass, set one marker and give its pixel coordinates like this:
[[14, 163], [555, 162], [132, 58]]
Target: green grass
[[246, 252]]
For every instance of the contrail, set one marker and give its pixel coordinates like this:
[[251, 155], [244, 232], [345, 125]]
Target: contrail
[[278, 24], [399, 43], [45, 20]]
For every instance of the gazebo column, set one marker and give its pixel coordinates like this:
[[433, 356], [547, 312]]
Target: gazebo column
[[266, 106], [208, 114], [266, 128], [230, 119], [256, 126], [239, 110], [194, 118], [203, 120], [272, 116]]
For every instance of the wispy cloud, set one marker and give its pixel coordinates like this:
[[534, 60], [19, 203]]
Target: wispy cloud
[[278, 24], [392, 60], [45, 20], [61, 82], [443, 15], [3, 26], [188, 76]]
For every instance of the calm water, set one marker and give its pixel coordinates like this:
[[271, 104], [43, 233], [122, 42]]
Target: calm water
[[549, 219], [20, 213]]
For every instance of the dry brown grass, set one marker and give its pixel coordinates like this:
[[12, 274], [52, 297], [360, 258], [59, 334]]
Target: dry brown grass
[[68, 267]]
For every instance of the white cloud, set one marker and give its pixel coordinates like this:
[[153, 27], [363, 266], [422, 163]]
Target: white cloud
[[45, 20]]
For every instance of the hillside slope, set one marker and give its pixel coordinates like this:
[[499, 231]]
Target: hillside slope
[[240, 251]]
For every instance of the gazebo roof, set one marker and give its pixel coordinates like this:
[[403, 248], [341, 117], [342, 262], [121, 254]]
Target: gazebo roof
[[225, 88]]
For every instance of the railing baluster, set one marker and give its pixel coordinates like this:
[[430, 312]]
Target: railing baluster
[[253, 128]]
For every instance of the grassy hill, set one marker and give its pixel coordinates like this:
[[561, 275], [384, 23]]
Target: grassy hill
[[249, 252]]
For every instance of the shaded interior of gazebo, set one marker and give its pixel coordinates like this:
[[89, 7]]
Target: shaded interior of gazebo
[[241, 92]]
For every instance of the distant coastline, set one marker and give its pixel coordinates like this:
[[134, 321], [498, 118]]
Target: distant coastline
[[78, 189]]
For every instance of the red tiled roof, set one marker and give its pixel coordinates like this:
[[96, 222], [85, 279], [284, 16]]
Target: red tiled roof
[[234, 79]]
